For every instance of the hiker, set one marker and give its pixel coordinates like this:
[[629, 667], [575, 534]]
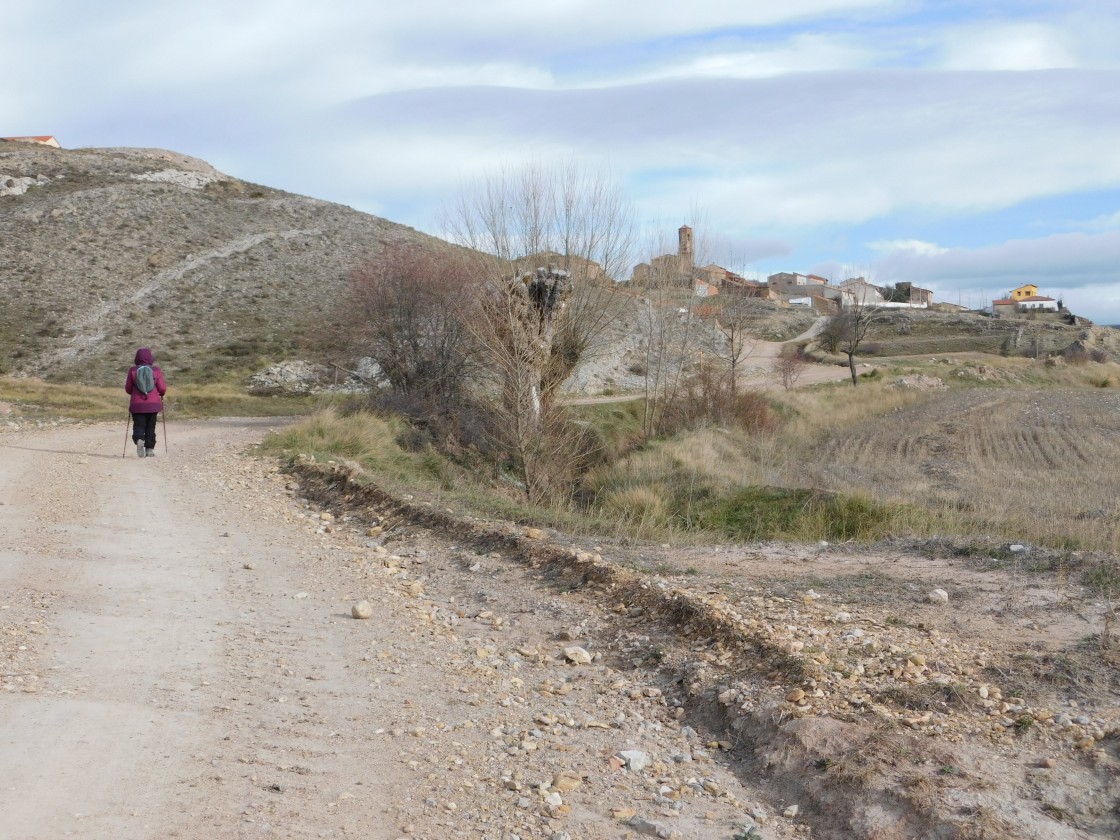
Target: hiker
[[145, 384]]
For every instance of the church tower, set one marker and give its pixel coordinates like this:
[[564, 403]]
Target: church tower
[[684, 247]]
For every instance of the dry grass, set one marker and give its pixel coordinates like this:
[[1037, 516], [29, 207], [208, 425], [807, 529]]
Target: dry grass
[[1033, 465], [367, 439], [38, 400], [1013, 464], [1022, 464]]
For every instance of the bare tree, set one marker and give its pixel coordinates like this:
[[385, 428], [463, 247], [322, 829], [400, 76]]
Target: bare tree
[[735, 342], [790, 365], [521, 323], [852, 327], [551, 242], [563, 217], [668, 334]]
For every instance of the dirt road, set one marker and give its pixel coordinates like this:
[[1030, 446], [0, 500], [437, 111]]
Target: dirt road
[[163, 687], [178, 659]]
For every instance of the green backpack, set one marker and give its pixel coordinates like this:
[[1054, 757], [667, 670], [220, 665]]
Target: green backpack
[[145, 379]]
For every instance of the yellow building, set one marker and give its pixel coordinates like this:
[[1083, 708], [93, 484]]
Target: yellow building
[[1025, 291]]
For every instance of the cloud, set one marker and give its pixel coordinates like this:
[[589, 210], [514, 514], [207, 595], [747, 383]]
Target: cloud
[[795, 151], [1017, 46], [1107, 221], [1059, 261], [799, 127], [914, 246]]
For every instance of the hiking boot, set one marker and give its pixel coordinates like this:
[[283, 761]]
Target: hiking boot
[[139, 449], [149, 453]]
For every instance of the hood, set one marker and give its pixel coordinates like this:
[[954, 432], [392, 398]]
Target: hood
[[144, 356]]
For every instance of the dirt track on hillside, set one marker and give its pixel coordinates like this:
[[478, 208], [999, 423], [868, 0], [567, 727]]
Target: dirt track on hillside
[[178, 659]]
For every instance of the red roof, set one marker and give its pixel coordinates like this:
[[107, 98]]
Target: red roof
[[1034, 297], [1004, 302]]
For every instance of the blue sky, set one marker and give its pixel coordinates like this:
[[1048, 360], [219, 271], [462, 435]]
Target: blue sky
[[964, 146]]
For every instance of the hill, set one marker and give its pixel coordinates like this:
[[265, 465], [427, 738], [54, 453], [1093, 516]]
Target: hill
[[104, 250]]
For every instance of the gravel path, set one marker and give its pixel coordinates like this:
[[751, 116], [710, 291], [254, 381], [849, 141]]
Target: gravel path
[[179, 660]]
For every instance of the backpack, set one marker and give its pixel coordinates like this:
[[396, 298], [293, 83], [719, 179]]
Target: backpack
[[145, 379]]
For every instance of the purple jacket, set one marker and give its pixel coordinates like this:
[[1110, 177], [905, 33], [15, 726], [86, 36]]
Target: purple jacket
[[145, 403]]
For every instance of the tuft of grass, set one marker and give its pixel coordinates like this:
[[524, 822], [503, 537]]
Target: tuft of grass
[[762, 513], [367, 439]]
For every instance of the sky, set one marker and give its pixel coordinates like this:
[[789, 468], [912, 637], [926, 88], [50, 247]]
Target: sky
[[966, 146]]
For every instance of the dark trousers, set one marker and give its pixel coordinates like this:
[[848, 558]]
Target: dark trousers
[[144, 429]]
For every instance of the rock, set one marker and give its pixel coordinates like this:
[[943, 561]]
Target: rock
[[362, 609], [623, 814], [1048, 763], [938, 596], [1017, 548], [650, 828], [566, 781], [795, 695], [292, 377], [920, 382], [636, 760], [577, 655], [790, 812]]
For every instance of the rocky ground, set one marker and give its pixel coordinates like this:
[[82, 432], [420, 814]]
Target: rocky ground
[[204, 674]]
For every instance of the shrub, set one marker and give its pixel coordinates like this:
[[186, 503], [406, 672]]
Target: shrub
[[406, 310], [707, 399]]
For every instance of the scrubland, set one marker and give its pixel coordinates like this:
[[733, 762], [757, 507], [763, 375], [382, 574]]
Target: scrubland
[[1010, 449]]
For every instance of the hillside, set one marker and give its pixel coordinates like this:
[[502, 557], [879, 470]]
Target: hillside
[[102, 250]]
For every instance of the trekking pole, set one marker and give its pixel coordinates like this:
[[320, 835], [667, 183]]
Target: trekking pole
[[164, 415], [126, 423]]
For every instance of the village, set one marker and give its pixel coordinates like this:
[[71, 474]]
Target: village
[[825, 297]]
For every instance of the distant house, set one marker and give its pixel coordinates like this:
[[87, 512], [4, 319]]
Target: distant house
[[1037, 302], [918, 295], [794, 289], [862, 292], [1019, 301], [742, 287], [788, 282], [1005, 306], [43, 140], [702, 288]]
